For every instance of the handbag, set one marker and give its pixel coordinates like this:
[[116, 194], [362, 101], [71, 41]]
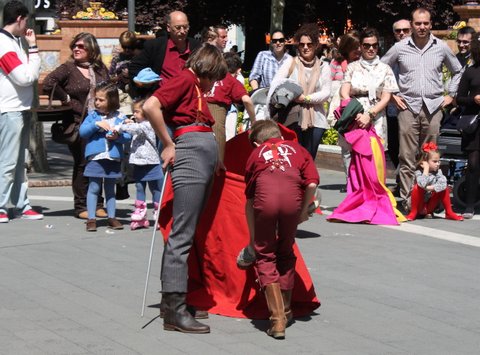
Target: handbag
[[468, 124], [65, 133], [67, 130]]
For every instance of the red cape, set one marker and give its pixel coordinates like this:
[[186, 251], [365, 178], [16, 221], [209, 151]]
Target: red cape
[[215, 282]]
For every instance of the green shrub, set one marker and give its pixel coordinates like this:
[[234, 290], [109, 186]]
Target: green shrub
[[330, 137]]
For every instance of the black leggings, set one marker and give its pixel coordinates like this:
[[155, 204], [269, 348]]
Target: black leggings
[[472, 177]]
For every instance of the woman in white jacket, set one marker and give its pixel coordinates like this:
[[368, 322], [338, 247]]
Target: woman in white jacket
[[308, 118]]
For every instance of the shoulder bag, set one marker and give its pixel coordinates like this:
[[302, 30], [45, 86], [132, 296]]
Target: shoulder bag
[[468, 124]]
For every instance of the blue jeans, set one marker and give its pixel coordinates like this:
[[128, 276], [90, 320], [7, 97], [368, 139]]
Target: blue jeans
[[309, 139], [14, 138]]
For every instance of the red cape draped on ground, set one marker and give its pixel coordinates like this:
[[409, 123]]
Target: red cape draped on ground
[[215, 282]]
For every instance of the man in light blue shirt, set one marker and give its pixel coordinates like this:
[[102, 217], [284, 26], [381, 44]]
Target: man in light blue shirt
[[421, 97], [267, 62]]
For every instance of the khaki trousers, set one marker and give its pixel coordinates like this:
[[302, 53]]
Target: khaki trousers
[[414, 130], [219, 113]]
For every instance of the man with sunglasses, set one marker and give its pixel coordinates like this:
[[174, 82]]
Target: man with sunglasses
[[401, 30], [421, 97], [464, 37], [267, 62], [18, 73], [166, 55]]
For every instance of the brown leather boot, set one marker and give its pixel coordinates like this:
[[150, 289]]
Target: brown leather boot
[[113, 223], [287, 300], [91, 225], [278, 322], [178, 318], [196, 313]]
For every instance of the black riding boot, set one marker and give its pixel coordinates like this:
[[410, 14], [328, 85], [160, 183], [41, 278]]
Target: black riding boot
[[177, 316]]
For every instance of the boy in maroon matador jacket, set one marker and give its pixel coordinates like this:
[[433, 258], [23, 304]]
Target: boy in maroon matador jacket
[[281, 180]]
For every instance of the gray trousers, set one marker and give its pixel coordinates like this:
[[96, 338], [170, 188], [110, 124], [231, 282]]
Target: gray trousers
[[192, 174], [414, 130]]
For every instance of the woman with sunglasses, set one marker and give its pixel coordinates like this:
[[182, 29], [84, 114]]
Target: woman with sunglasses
[[370, 82], [307, 118], [75, 83]]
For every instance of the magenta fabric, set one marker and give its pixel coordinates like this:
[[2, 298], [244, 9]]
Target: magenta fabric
[[367, 199]]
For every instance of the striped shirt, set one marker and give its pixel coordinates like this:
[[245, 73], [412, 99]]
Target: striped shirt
[[265, 67], [420, 72]]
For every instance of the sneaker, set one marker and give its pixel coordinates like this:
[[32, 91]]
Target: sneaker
[[465, 215], [3, 217], [31, 214], [246, 258]]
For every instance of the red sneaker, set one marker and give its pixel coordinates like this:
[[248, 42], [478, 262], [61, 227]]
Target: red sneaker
[[31, 214], [3, 217]]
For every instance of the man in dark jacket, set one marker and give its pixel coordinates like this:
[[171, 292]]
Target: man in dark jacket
[[166, 55]]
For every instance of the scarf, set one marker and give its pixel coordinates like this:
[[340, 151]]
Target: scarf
[[308, 87], [93, 83], [370, 65]]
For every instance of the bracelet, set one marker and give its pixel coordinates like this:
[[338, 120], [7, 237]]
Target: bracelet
[[308, 99], [371, 114], [33, 47]]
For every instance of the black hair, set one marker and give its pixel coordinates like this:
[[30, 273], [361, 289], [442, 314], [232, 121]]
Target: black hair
[[12, 10], [111, 92], [465, 31], [233, 61], [368, 32], [475, 49], [277, 30]]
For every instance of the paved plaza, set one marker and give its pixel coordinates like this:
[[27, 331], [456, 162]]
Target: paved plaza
[[411, 289]]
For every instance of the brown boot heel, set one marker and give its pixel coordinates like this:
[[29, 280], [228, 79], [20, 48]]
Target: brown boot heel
[[91, 225]]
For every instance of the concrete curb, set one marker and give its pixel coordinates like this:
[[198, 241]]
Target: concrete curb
[[49, 183]]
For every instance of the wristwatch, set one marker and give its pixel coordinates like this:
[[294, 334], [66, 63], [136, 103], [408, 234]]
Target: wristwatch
[[371, 114]]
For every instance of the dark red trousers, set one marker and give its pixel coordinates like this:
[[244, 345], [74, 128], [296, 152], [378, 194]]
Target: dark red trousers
[[277, 206]]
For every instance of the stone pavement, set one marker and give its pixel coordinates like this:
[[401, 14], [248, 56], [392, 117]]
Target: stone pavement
[[384, 290]]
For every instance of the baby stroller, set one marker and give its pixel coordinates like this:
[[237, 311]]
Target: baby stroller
[[454, 162]]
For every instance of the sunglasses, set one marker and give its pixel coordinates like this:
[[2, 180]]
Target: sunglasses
[[459, 41], [400, 30], [302, 45], [367, 46], [278, 40], [78, 45], [180, 27]]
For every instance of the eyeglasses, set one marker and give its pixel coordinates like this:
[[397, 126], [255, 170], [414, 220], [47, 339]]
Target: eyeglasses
[[459, 41], [400, 30], [302, 45], [180, 27], [367, 46], [78, 45], [125, 48], [278, 40]]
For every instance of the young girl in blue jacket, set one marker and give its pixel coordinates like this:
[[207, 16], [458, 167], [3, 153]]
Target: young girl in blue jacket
[[103, 151]]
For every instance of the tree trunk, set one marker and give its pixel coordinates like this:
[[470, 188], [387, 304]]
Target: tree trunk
[[276, 20], [37, 146]]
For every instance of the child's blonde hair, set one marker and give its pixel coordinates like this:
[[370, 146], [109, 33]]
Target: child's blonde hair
[[428, 149]]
